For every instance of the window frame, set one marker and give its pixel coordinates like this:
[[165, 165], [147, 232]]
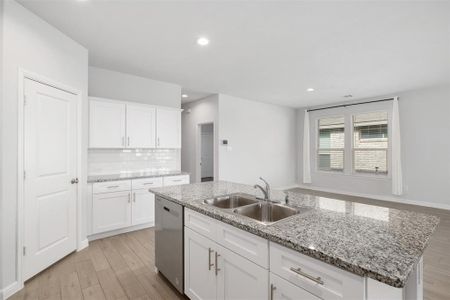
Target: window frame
[[348, 113], [353, 171], [317, 146]]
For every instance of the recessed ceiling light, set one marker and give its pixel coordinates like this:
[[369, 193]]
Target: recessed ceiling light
[[202, 41], [310, 90], [184, 96]]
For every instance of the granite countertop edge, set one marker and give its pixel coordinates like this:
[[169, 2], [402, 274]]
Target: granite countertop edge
[[118, 177], [394, 281]]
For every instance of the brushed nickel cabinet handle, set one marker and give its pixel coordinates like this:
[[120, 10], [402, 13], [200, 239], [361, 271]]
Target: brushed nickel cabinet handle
[[112, 186], [123, 141], [272, 289], [134, 197], [129, 197], [209, 258], [216, 264], [128, 141], [299, 271]]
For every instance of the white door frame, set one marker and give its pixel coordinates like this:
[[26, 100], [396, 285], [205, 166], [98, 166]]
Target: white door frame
[[81, 243], [198, 151]]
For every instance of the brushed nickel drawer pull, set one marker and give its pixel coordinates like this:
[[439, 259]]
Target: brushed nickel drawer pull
[[217, 268], [148, 183], [272, 289], [310, 277], [209, 258], [112, 186]]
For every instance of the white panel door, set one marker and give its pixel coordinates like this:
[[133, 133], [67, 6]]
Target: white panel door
[[106, 124], [143, 208], [239, 278], [199, 272], [168, 128], [141, 126], [50, 158], [111, 211]]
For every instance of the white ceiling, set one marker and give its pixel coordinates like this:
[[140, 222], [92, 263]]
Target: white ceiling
[[266, 51], [193, 95]]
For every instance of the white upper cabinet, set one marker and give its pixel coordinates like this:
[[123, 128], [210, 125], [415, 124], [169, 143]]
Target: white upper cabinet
[[168, 128], [117, 124], [141, 126], [106, 124]]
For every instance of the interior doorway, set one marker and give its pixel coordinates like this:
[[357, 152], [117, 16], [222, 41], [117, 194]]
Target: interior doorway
[[206, 152]]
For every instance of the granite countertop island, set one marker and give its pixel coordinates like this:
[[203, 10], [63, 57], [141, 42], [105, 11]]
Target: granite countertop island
[[132, 175], [378, 242]]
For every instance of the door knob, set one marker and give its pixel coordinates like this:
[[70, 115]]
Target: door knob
[[74, 181]]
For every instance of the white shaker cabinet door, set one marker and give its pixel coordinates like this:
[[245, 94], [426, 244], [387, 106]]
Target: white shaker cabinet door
[[106, 124], [168, 128], [111, 211], [143, 208], [239, 278], [281, 289], [141, 126], [200, 278]]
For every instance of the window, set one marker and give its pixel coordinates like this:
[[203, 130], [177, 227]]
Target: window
[[331, 143], [370, 143]]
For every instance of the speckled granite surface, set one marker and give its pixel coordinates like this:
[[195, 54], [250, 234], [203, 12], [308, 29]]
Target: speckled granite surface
[[378, 242], [132, 175]]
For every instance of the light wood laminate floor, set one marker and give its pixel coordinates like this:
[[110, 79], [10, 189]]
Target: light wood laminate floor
[[119, 267], [122, 267]]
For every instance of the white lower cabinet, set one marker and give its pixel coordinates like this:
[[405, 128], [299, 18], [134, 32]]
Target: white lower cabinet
[[239, 278], [214, 272], [283, 289], [143, 207], [111, 211], [199, 266]]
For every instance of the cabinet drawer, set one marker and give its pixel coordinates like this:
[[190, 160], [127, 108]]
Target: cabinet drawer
[[301, 270], [250, 246], [111, 186], [176, 180], [202, 224], [146, 183]]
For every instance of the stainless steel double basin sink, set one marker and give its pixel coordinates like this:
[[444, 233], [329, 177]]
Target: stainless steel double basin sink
[[264, 212]]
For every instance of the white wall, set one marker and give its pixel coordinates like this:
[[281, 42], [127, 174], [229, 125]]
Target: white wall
[[1, 141], [34, 45], [195, 113], [115, 85], [425, 145], [262, 138]]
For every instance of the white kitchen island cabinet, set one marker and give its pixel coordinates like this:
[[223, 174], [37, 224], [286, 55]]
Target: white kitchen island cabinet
[[238, 265], [214, 272]]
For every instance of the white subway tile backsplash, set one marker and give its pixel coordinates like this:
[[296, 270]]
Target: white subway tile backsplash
[[115, 161]]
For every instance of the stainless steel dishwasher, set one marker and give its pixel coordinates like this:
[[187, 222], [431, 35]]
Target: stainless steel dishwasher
[[169, 246]]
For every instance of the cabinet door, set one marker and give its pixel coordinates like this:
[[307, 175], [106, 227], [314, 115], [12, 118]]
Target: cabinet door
[[111, 211], [106, 124], [239, 278], [199, 272], [168, 128], [143, 208], [141, 126], [282, 289]]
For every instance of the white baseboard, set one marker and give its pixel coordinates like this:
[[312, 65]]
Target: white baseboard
[[10, 290], [102, 235], [83, 244], [377, 197]]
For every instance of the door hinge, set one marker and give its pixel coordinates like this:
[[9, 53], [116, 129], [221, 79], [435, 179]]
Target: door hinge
[[24, 251]]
